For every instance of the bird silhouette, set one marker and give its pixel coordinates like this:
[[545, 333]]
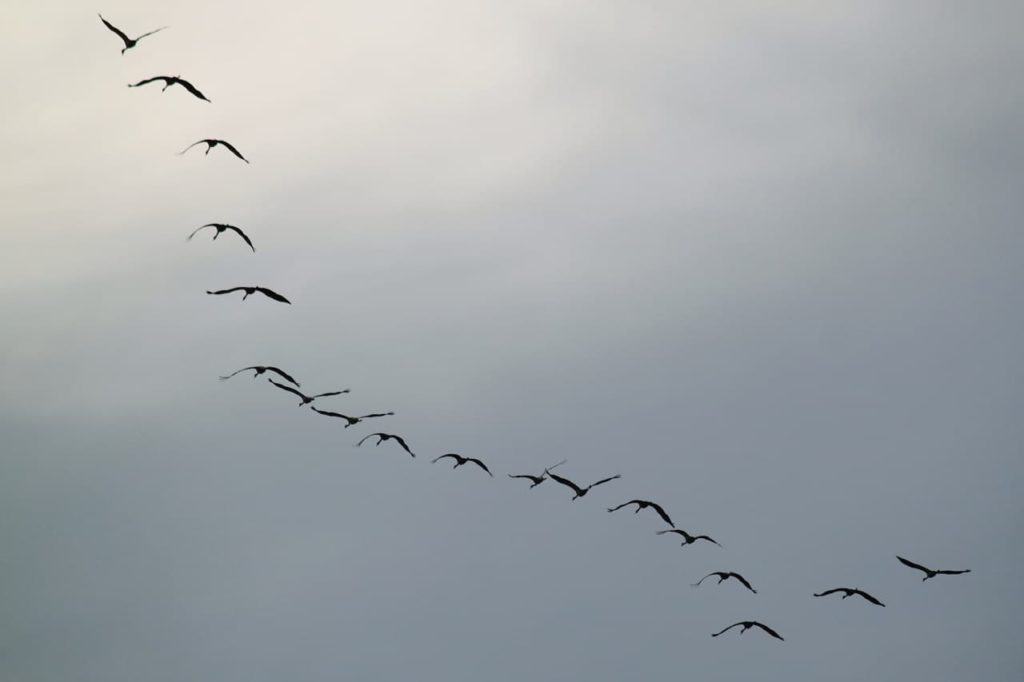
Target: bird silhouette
[[211, 143], [687, 538], [169, 81], [537, 480], [929, 573], [129, 43], [725, 575], [747, 624], [221, 227], [249, 291], [350, 421], [306, 399], [645, 504], [381, 437], [260, 369], [849, 592], [460, 460], [580, 492]]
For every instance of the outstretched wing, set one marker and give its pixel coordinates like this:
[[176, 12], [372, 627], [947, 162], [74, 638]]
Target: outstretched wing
[[278, 297], [624, 504], [282, 373], [661, 512], [330, 393], [182, 152], [911, 564], [350, 420], [376, 414], [144, 81], [401, 441], [380, 438], [867, 596], [697, 584], [705, 537], [287, 388], [438, 459], [232, 149], [480, 464], [743, 580], [944, 572], [149, 33], [225, 291], [564, 481], [674, 531], [721, 632], [604, 480], [769, 631], [191, 88], [244, 237], [827, 592], [115, 29], [236, 372], [189, 238], [534, 479]]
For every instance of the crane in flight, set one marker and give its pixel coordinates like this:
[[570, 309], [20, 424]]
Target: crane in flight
[[260, 369], [211, 143], [645, 504], [849, 592], [725, 575], [129, 43], [249, 291], [929, 573], [687, 538], [537, 480], [381, 437], [579, 492], [747, 624], [306, 399], [168, 82], [350, 421], [221, 227], [460, 460]]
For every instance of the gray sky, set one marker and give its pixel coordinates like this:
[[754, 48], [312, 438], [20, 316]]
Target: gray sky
[[762, 259]]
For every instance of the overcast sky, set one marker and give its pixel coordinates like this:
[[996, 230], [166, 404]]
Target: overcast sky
[[763, 259]]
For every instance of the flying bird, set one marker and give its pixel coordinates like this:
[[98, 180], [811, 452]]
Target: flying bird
[[221, 227], [849, 592], [381, 437], [580, 492], [644, 504], [260, 369], [350, 421], [725, 575], [537, 480], [687, 538], [211, 143], [168, 82], [249, 291], [460, 460], [129, 43], [306, 399], [929, 573], [747, 624]]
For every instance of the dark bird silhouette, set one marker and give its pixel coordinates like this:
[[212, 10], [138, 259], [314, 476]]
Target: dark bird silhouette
[[460, 460], [350, 421], [306, 399], [221, 227], [211, 143], [747, 624], [537, 480], [260, 369], [381, 437], [580, 492], [929, 573], [644, 504], [849, 592], [249, 291], [687, 538], [129, 43], [168, 82], [725, 575]]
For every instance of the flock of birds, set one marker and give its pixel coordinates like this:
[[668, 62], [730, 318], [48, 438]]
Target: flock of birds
[[294, 387]]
